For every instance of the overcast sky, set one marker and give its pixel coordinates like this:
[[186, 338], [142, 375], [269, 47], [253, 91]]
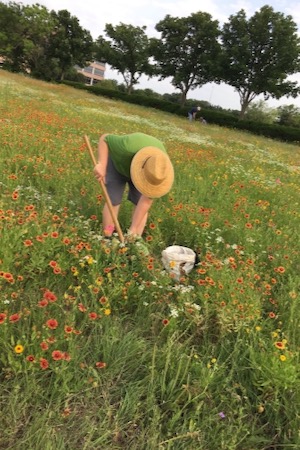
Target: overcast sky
[[93, 15]]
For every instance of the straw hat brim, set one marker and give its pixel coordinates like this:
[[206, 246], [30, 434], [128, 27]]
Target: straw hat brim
[[137, 173]]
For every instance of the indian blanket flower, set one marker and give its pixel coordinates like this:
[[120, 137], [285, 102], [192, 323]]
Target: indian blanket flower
[[93, 315], [14, 318], [44, 345], [2, 317], [280, 345], [100, 365], [68, 329], [43, 303], [52, 324], [66, 356], [44, 364], [48, 295], [30, 358], [81, 307], [57, 355]]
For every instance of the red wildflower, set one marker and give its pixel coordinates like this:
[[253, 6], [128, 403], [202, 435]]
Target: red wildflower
[[100, 365], [30, 358], [52, 324], [14, 318], [66, 356], [8, 276], [44, 345], [57, 355], [48, 295], [43, 303], [165, 322], [44, 363], [66, 412], [93, 315], [68, 329], [2, 317]]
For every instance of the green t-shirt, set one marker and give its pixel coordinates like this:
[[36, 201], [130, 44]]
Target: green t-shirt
[[123, 148]]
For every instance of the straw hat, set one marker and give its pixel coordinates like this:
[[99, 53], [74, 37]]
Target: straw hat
[[152, 172]]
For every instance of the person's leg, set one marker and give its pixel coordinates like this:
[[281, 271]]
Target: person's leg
[[115, 186], [107, 220]]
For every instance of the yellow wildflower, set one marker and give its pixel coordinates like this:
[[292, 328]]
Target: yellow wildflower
[[19, 348]]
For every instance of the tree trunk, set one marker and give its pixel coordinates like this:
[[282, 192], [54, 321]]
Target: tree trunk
[[244, 104], [183, 98]]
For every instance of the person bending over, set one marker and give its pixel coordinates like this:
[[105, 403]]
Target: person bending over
[[193, 112], [142, 162]]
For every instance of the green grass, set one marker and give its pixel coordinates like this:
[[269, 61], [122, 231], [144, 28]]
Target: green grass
[[100, 347]]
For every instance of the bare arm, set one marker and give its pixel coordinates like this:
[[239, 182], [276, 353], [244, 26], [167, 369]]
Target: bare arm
[[100, 168], [140, 215]]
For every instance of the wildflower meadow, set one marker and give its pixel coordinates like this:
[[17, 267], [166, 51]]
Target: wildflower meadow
[[100, 347]]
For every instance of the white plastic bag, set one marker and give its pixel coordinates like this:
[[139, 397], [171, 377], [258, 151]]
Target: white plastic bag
[[178, 260]]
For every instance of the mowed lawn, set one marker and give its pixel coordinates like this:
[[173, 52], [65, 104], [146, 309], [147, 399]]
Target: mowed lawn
[[100, 346]]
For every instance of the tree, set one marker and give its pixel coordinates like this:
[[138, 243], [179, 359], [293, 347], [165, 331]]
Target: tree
[[289, 115], [260, 112], [126, 50], [12, 37], [69, 43], [187, 51], [259, 54], [43, 43], [38, 24]]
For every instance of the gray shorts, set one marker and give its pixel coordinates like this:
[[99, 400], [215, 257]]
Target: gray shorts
[[116, 183]]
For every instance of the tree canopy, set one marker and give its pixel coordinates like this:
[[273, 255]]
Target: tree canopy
[[126, 50], [43, 43], [259, 54], [187, 51]]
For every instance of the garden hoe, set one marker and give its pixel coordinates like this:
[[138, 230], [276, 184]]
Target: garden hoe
[[106, 196]]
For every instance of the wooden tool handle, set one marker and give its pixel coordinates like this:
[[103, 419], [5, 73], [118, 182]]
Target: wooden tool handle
[[106, 196]]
